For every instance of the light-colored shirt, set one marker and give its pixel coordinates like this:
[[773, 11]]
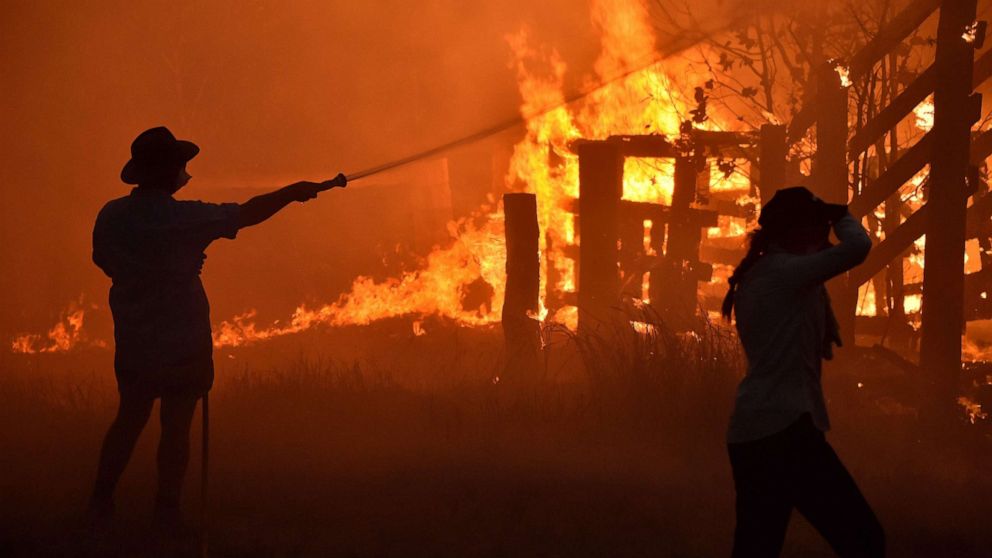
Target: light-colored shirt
[[152, 247], [780, 306]]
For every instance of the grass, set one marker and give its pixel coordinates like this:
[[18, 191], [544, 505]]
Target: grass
[[374, 442]]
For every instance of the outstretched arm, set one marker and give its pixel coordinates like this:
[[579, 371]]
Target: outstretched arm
[[261, 207]]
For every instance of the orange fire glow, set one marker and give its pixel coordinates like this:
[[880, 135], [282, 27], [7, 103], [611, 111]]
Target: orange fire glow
[[436, 289], [924, 114], [972, 409], [648, 100], [65, 335]]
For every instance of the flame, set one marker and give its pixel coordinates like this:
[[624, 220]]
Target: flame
[[646, 243], [970, 34], [866, 300], [845, 75], [973, 409], [542, 163], [643, 328], [912, 303], [476, 256], [924, 114], [972, 351], [418, 328], [65, 335], [728, 226], [646, 101]]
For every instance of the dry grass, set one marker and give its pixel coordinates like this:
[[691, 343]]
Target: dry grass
[[373, 442]]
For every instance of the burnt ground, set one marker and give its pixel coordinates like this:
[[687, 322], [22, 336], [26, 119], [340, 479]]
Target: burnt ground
[[403, 446]]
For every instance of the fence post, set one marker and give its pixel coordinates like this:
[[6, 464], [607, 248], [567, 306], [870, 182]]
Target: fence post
[[600, 190], [955, 110], [772, 156], [521, 331], [831, 181], [673, 283]]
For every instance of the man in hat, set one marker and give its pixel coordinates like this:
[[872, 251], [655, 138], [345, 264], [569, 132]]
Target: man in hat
[[152, 247], [780, 457]]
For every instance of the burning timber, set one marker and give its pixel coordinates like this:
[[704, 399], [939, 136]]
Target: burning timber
[[656, 254]]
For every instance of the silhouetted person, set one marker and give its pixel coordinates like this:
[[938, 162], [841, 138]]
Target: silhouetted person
[[152, 247], [779, 454]]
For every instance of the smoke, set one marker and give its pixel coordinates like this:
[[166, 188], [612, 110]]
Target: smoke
[[272, 92]]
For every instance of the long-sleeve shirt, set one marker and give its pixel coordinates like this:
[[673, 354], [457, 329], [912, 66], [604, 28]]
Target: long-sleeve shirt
[[151, 246], [780, 306]]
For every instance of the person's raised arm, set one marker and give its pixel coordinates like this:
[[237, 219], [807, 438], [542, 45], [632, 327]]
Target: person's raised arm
[[852, 249], [261, 207]]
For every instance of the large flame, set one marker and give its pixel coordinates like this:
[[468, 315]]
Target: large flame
[[477, 254], [648, 100]]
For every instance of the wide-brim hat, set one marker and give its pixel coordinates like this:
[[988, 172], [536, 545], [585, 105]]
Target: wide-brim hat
[[156, 150], [797, 207]]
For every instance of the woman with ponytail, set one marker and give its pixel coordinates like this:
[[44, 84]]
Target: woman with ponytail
[[779, 454], [757, 247]]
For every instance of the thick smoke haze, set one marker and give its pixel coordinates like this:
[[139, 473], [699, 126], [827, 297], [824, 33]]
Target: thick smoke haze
[[271, 91]]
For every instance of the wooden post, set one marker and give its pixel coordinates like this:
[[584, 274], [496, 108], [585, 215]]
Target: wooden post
[[899, 332], [943, 274], [830, 179], [521, 331], [772, 156], [631, 252], [600, 190], [659, 236], [552, 298], [673, 283]]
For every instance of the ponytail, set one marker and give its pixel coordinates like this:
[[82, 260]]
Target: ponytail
[[757, 248]]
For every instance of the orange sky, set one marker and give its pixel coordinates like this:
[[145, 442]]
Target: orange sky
[[271, 91]]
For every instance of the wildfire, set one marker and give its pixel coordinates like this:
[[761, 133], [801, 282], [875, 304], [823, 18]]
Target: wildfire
[[973, 352], [970, 34], [65, 335], [924, 114], [974, 410], [476, 256], [464, 280], [845, 75], [648, 100]]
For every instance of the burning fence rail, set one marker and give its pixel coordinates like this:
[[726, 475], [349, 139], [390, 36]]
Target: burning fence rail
[[665, 254]]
